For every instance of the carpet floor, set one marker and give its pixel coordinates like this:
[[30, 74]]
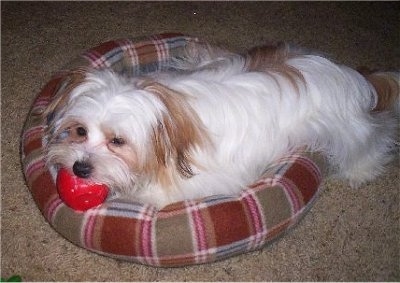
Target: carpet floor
[[349, 235]]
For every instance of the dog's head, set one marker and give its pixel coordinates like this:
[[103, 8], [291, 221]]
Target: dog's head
[[119, 132]]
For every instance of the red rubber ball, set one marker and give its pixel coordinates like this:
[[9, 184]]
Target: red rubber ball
[[78, 193]]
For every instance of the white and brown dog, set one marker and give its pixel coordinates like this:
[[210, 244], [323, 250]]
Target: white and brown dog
[[214, 123]]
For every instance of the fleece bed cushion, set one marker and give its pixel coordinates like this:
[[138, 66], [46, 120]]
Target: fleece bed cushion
[[184, 233]]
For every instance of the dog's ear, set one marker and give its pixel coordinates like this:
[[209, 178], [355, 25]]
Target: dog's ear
[[55, 109], [70, 80], [178, 131]]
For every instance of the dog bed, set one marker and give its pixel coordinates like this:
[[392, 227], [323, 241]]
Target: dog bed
[[184, 233]]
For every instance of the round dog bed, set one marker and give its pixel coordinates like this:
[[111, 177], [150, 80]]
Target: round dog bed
[[184, 233]]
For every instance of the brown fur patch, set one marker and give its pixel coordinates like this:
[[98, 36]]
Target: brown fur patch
[[177, 133], [387, 89], [272, 58]]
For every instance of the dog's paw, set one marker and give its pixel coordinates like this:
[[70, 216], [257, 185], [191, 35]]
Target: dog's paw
[[362, 170]]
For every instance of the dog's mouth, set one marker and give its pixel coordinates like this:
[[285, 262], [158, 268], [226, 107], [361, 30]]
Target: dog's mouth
[[81, 170], [82, 173]]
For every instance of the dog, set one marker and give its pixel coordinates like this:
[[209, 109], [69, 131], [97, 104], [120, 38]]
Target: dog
[[213, 122]]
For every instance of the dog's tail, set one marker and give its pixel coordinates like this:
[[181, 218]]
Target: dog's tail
[[387, 88]]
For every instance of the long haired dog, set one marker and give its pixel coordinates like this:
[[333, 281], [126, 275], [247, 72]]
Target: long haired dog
[[214, 122]]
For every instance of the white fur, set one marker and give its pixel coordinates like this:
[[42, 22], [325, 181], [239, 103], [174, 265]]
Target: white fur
[[251, 118]]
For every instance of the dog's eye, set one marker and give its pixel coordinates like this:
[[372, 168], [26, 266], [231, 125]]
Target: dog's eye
[[117, 141], [81, 131]]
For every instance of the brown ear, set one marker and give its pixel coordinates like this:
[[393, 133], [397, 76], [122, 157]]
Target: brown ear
[[54, 110], [178, 131]]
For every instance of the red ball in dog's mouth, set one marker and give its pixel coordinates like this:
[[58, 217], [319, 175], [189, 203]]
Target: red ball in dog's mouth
[[78, 193]]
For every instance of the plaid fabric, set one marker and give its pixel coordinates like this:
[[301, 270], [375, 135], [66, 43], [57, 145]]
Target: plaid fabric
[[189, 232]]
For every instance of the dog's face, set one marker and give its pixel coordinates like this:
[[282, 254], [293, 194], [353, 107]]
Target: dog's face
[[113, 131]]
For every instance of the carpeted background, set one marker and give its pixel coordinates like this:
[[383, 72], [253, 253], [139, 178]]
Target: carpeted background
[[349, 235]]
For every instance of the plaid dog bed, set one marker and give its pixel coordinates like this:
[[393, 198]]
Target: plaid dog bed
[[184, 233]]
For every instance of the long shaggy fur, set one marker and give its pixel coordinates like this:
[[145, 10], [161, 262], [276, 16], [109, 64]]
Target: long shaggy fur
[[214, 123]]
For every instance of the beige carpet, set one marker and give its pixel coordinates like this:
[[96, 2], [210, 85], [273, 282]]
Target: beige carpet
[[348, 234]]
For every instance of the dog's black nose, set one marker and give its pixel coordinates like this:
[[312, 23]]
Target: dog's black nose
[[82, 169]]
